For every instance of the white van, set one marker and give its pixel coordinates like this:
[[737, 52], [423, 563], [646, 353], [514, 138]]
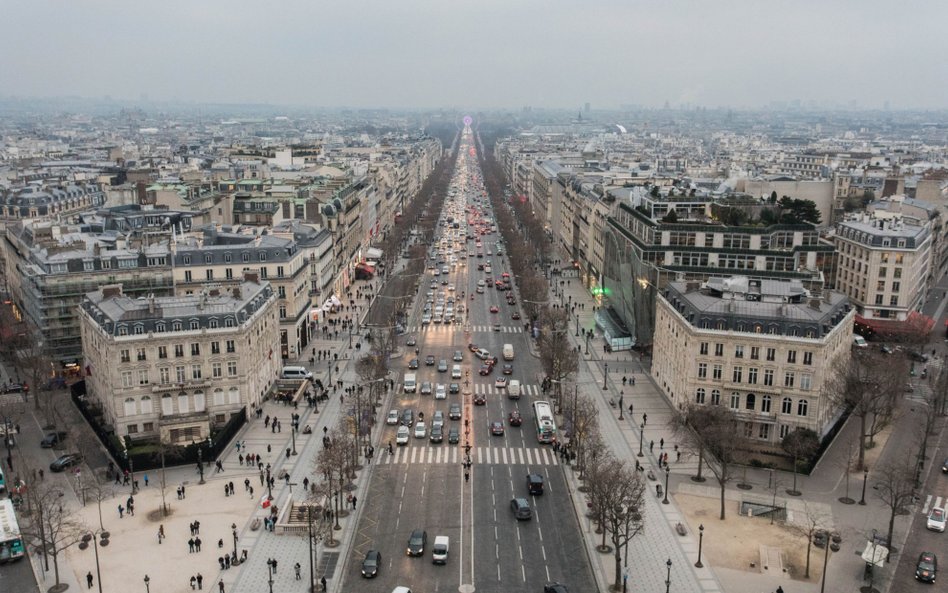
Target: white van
[[513, 389], [410, 385], [508, 352], [295, 373], [439, 551], [456, 371]]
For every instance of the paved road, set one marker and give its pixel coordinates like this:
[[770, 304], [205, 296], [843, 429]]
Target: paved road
[[422, 484]]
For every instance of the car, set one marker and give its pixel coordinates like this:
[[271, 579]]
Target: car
[[454, 436], [421, 431], [515, 315], [454, 388], [521, 509], [401, 435], [494, 309], [454, 411], [886, 349], [507, 369], [926, 568], [482, 353], [442, 366], [392, 418], [426, 319], [413, 363], [13, 387], [485, 369], [511, 300], [426, 388], [411, 341], [371, 563], [430, 360], [500, 382], [554, 588], [479, 290], [936, 519], [514, 418], [416, 542], [480, 399], [535, 484], [458, 356], [445, 281], [440, 392], [63, 462], [451, 288], [496, 327], [917, 356], [408, 417], [437, 434], [944, 466], [52, 439], [473, 347], [497, 428]]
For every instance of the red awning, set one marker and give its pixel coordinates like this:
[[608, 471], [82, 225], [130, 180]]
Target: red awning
[[916, 323]]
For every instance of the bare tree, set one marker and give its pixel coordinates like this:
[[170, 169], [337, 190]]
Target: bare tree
[[868, 386], [802, 443], [621, 496], [716, 430], [557, 356], [808, 525], [582, 421], [51, 528], [895, 486], [163, 452]]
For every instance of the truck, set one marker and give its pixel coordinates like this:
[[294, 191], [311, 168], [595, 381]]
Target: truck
[[513, 389], [410, 385], [508, 352]]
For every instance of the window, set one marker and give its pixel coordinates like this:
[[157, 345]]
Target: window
[[167, 405], [786, 406], [739, 351], [183, 403], [282, 311], [187, 275], [763, 431], [176, 326], [194, 324], [894, 301], [187, 260], [735, 401], [806, 382], [738, 374], [212, 323], [719, 349], [702, 370], [195, 371], [808, 358], [178, 350], [784, 430], [146, 406], [231, 369], [209, 274], [143, 377], [716, 372], [788, 378], [138, 329], [160, 327], [216, 370], [699, 395], [748, 429], [703, 349], [199, 401], [263, 256], [227, 258], [752, 376], [802, 407], [164, 375], [233, 396], [228, 322], [279, 271], [132, 429], [162, 352], [229, 274], [129, 408], [179, 374], [195, 349], [768, 377], [771, 354], [765, 404], [218, 397], [792, 356], [755, 352], [126, 378], [750, 401], [281, 292], [215, 347], [245, 257], [125, 356], [231, 348], [716, 397], [207, 258]]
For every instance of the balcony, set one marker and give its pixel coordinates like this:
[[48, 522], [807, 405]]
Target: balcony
[[195, 384]]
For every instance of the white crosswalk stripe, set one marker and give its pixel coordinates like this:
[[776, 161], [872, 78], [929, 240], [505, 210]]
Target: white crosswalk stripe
[[450, 328], [452, 454], [938, 502], [489, 389]]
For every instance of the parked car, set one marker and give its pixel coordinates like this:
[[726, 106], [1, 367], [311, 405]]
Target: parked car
[[52, 439], [64, 462]]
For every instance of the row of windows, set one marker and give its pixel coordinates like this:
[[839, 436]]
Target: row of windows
[[750, 402], [180, 374], [753, 373], [176, 326], [771, 353], [209, 258], [142, 353], [179, 404]]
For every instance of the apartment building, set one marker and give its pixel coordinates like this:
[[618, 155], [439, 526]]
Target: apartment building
[[764, 348], [174, 368]]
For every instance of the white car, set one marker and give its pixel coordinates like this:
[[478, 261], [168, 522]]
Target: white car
[[420, 430], [500, 382], [936, 519], [440, 391], [401, 436], [392, 419]]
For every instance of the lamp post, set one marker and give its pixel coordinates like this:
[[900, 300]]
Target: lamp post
[[577, 325], [668, 579], [605, 375], [641, 436], [587, 341], [147, 584], [293, 427], [233, 527], [621, 405], [92, 536], [270, 573], [700, 542], [826, 551], [667, 472], [865, 477], [201, 465], [269, 488]]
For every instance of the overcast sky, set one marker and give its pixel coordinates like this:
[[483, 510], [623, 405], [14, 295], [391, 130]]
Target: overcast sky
[[480, 54]]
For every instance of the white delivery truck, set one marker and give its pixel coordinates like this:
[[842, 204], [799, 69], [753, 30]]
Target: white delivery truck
[[513, 389], [410, 385], [508, 352]]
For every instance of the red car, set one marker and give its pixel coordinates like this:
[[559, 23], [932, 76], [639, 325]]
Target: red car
[[494, 309], [473, 347], [515, 315], [514, 418], [497, 428], [485, 369]]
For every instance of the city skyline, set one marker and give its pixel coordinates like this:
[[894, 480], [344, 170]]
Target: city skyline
[[733, 54]]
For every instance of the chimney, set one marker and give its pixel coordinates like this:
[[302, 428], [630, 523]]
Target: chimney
[[815, 304], [111, 290], [236, 293], [151, 303], [252, 277]]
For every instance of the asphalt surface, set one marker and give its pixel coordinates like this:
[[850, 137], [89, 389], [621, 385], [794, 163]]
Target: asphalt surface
[[422, 484]]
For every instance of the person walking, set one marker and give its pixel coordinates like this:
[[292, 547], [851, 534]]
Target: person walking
[[191, 546], [200, 580], [145, 477], [322, 582], [121, 510], [193, 582], [197, 544], [89, 579], [296, 567], [220, 586], [644, 418]]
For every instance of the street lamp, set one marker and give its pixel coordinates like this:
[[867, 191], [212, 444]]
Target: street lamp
[[621, 405], [700, 541], [92, 536], [270, 573], [201, 465], [577, 325], [865, 477], [147, 584], [667, 472], [269, 488], [668, 579], [641, 436], [605, 375], [826, 551], [233, 527]]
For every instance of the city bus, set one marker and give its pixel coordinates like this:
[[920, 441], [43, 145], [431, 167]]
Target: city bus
[[3, 481], [543, 419], [11, 543]]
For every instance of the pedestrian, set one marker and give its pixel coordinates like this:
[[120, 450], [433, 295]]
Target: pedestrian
[[779, 589], [145, 477], [183, 492], [661, 444], [651, 446], [197, 528], [226, 490], [322, 582], [191, 546], [354, 500], [268, 448], [305, 483], [197, 544], [200, 581], [121, 510], [193, 582], [296, 567], [220, 586], [274, 566], [191, 527], [678, 453], [227, 561], [251, 492], [644, 418], [246, 484], [633, 381], [89, 579]]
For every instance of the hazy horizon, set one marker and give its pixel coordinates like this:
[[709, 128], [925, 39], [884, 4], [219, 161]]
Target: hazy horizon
[[424, 54]]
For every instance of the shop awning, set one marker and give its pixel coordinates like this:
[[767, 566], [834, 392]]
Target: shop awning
[[915, 324]]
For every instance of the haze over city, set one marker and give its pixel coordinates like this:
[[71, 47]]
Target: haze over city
[[484, 54]]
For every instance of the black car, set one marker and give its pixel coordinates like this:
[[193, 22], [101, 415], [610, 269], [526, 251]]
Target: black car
[[413, 363], [926, 568], [944, 467], [52, 439], [430, 360], [454, 436], [416, 542], [555, 588], [408, 417], [65, 461], [535, 484], [411, 341], [454, 388], [370, 566]]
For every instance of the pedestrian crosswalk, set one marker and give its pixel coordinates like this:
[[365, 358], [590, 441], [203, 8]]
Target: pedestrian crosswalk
[[454, 454], [489, 389], [449, 328], [932, 502]]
